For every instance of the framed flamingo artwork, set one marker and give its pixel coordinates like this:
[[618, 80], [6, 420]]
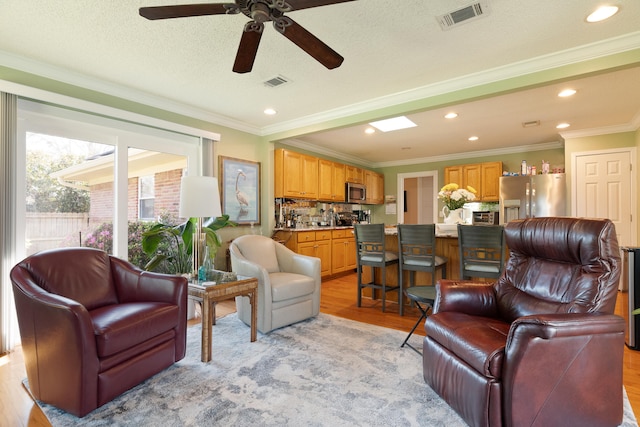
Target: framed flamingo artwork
[[240, 193]]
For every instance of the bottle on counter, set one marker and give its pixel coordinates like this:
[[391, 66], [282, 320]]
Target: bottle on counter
[[523, 168]]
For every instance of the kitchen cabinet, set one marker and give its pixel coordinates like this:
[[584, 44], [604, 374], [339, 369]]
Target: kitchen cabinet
[[331, 180], [343, 251], [472, 176], [354, 174], [483, 177], [453, 174], [296, 175], [491, 173], [311, 243], [375, 187]]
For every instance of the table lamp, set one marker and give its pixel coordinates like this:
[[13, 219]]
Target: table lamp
[[199, 198]]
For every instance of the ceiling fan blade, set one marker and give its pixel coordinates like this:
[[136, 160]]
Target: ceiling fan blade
[[248, 47], [308, 42], [186, 10], [306, 4]]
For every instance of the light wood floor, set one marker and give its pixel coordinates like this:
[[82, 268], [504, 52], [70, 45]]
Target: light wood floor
[[338, 298]]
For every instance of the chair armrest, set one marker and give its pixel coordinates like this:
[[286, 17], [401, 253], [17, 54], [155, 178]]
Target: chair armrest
[[474, 298], [562, 325], [56, 357], [548, 355], [133, 284], [244, 267], [292, 262]]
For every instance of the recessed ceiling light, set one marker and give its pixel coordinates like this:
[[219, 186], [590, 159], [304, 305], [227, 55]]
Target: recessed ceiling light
[[395, 123], [563, 126], [451, 115], [566, 92], [270, 111], [473, 138], [602, 13], [369, 130]]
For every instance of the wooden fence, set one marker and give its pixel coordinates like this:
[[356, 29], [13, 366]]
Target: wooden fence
[[54, 230]]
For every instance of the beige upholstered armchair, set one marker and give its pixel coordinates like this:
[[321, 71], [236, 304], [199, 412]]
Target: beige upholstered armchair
[[288, 283]]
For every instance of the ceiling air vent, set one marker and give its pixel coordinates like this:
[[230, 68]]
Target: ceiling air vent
[[465, 14], [276, 81]]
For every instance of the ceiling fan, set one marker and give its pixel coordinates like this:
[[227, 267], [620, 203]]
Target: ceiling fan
[[260, 11]]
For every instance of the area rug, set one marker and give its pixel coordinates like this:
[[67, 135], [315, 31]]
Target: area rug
[[326, 371]]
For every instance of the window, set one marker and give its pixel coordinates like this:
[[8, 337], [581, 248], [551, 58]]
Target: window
[[103, 173], [146, 197]]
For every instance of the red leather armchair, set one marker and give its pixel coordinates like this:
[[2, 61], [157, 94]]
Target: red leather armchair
[[93, 326], [540, 346]]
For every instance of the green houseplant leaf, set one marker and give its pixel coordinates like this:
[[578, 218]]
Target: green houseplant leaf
[[170, 246]]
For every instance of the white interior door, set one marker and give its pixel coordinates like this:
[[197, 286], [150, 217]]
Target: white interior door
[[604, 189]]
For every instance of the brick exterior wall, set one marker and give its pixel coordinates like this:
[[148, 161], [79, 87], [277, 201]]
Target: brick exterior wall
[[167, 192], [167, 198]]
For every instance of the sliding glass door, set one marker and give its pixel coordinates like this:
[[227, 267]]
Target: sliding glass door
[[92, 181]]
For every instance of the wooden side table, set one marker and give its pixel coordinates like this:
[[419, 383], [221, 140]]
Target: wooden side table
[[209, 295]]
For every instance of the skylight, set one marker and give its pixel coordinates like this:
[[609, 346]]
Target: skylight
[[395, 123]]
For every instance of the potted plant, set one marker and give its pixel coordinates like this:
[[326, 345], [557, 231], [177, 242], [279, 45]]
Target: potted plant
[[170, 246]]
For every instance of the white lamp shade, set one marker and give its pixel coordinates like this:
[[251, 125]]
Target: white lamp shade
[[199, 197]]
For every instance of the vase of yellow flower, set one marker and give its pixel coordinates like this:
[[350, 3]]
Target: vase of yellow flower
[[454, 199]]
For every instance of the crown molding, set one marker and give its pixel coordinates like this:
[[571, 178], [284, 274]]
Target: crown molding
[[632, 126], [449, 157], [326, 152], [73, 78], [542, 63]]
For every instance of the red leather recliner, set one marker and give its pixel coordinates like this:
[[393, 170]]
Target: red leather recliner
[[93, 326], [540, 346]]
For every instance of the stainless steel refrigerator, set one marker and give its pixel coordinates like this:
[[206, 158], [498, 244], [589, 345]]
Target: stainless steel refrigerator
[[532, 196]]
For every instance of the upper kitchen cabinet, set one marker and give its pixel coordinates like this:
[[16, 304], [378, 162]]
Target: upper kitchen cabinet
[[296, 175], [354, 174], [331, 179], [375, 187], [491, 173], [483, 177]]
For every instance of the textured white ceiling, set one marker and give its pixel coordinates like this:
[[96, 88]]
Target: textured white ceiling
[[392, 49]]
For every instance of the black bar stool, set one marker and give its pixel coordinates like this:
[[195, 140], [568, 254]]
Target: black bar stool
[[371, 251], [417, 252], [481, 251], [424, 298]]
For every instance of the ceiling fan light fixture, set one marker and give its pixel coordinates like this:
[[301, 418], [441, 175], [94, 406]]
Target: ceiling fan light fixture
[[396, 123]]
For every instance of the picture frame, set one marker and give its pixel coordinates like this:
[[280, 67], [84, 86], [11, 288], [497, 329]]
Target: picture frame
[[240, 190]]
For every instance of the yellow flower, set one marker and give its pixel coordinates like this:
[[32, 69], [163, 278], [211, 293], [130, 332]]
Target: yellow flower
[[455, 197], [450, 187]]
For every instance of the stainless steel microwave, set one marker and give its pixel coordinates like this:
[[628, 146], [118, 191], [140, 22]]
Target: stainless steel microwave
[[355, 193]]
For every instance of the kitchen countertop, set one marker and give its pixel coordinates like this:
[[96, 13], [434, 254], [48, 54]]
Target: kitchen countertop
[[388, 230], [317, 228]]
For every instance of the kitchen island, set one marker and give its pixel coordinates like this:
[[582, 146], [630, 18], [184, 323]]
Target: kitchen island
[[336, 248]]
